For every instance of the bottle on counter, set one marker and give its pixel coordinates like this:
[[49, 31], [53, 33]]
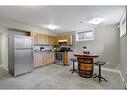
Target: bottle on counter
[[85, 50]]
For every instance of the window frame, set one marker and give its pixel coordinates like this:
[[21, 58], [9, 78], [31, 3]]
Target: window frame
[[123, 25], [76, 35]]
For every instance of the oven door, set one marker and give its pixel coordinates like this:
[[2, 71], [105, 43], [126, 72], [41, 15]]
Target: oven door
[[59, 57]]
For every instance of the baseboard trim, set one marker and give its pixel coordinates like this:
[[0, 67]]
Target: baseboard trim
[[109, 69], [123, 80]]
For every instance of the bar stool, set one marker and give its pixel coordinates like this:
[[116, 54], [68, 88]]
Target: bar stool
[[73, 60], [99, 63]]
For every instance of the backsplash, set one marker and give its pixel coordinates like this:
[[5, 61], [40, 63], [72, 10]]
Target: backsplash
[[45, 47]]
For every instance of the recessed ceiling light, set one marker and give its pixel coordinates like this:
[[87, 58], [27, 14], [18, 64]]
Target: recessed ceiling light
[[96, 20], [52, 27]]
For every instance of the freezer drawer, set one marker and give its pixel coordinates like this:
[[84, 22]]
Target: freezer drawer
[[23, 61]]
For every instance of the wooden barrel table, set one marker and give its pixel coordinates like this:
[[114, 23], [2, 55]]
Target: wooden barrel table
[[85, 64]]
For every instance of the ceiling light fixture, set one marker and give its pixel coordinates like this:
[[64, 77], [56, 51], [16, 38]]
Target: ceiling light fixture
[[96, 20], [52, 27]]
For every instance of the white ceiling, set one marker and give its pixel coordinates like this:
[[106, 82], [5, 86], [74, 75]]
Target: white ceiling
[[68, 18]]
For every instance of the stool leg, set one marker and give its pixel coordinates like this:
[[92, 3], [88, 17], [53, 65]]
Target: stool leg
[[104, 79], [99, 73], [95, 75], [73, 66]]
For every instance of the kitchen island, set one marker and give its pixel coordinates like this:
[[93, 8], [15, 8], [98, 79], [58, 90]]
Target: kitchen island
[[85, 64]]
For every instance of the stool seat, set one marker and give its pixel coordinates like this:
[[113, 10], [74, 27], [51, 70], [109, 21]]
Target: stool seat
[[73, 59], [100, 63]]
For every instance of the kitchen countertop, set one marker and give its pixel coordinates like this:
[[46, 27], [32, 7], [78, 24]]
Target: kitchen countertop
[[86, 55], [65, 51], [38, 51]]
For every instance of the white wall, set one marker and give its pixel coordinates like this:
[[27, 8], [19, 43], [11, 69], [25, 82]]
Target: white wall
[[0, 48], [4, 49], [106, 43], [123, 56], [123, 52]]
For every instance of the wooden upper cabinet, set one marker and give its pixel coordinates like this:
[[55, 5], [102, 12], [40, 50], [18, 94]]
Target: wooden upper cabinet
[[35, 37], [42, 39], [55, 40], [46, 38], [51, 40], [69, 39]]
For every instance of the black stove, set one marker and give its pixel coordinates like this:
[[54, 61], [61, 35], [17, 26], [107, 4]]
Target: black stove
[[62, 49]]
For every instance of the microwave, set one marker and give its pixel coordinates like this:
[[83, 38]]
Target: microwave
[[62, 42]]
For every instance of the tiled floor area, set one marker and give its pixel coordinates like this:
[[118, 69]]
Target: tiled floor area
[[57, 77]]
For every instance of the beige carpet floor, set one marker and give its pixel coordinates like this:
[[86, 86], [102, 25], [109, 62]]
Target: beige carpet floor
[[57, 77]]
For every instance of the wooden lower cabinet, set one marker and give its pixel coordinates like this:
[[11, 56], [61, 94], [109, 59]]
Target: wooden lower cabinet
[[50, 57], [66, 58], [43, 58], [37, 59]]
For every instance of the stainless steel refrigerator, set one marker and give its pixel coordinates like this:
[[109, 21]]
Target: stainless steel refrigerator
[[20, 55]]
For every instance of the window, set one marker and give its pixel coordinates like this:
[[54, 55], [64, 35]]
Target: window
[[123, 25], [85, 35]]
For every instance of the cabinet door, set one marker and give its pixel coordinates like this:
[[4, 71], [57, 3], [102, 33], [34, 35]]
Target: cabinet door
[[41, 39], [53, 57], [46, 40], [37, 59], [44, 58], [35, 37], [51, 40], [69, 40], [47, 57], [50, 57], [66, 58], [55, 40]]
